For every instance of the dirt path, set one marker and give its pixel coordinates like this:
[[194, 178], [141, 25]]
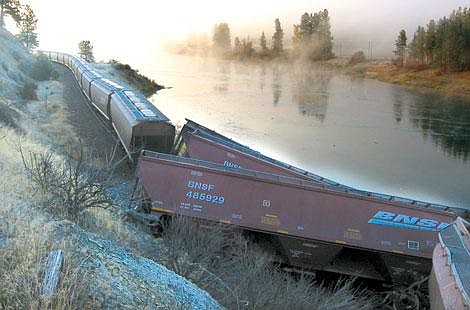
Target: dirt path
[[94, 133]]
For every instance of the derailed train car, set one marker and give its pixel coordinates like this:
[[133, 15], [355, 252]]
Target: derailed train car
[[313, 226], [135, 120], [199, 142]]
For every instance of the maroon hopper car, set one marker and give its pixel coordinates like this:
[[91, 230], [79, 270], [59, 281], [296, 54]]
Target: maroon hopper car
[[315, 227]]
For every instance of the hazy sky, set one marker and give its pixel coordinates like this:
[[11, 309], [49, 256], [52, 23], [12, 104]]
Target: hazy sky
[[128, 30]]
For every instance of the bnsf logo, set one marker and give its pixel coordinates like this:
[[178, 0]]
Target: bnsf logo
[[406, 221]]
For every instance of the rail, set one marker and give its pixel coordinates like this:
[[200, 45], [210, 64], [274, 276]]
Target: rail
[[458, 255]]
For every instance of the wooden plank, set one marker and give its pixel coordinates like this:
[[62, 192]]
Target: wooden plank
[[52, 273]]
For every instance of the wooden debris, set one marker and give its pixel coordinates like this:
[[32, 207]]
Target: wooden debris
[[52, 273]]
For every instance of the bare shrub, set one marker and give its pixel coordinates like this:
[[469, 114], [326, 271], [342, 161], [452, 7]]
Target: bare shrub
[[357, 57], [239, 273], [71, 185]]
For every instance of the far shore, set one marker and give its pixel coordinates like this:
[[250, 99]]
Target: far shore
[[447, 83], [424, 79]]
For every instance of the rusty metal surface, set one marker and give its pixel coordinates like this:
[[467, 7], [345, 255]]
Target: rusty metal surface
[[205, 144], [287, 206]]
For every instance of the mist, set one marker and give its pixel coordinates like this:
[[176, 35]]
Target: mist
[[133, 31]]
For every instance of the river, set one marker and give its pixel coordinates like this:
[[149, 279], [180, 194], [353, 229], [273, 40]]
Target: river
[[363, 133]]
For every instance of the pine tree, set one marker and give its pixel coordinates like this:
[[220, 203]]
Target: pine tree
[[11, 8], [312, 37], [278, 36], [306, 28], [237, 46], [418, 45], [221, 37], [326, 40], [430, 42], [247, 48], [400, 45], [27, 25], [86, 51], [263, 44]]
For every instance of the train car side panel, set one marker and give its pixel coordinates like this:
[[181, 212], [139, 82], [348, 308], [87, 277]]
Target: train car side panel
[[300, 211]]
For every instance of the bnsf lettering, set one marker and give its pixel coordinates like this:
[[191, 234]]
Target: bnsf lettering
[[202, 186], [230, 164], [406, 221]]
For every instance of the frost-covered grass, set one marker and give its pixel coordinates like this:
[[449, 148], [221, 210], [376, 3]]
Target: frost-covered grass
[[29, 229]]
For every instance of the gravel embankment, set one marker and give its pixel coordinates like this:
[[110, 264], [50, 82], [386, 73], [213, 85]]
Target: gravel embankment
[[91, 129]]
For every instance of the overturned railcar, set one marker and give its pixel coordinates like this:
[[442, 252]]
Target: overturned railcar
[[313, 226], [135, 120], [199, 142]]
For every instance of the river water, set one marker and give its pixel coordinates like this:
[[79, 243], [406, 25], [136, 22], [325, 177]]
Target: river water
[[363, 133]]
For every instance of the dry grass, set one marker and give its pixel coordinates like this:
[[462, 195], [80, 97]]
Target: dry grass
[[239, 274], [27, 238], [453, 83]]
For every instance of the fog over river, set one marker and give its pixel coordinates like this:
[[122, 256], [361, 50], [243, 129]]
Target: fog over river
[[363, 133]]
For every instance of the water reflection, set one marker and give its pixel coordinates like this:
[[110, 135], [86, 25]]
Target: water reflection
[[262, 77], [446, 122], [310, 92], [223, 80], [276, 85], [398, 106]]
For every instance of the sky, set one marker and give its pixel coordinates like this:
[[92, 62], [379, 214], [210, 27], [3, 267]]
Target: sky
[[129, 30]]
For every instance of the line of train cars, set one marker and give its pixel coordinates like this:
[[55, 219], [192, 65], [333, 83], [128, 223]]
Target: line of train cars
[[316, 223], [136, 121]]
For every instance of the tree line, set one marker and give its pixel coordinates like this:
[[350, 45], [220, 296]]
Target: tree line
[[444, 44], [25, 19], [311, 39]]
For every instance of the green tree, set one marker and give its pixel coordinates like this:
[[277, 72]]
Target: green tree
[[27, 25], [445, 43], [263, 44], [86, 51], [247, 48], [400, 45], [418, 45], [326, 40], [430, 42], [11, 8], [221, 38], [278, 36], [312, 37], [237, 46]]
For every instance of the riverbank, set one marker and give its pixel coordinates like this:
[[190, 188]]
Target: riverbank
[[452, 84], [132, 77]]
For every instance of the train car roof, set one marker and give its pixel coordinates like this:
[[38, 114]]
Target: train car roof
[[137, 104], [140, 107]]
